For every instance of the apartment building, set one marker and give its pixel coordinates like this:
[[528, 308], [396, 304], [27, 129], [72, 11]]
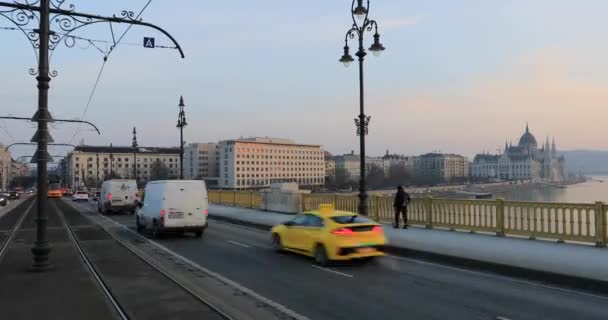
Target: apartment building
[[255, 163], [441, 166], [88, 165], [201, 160]]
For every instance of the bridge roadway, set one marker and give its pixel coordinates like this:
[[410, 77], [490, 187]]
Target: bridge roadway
[[390, 288]]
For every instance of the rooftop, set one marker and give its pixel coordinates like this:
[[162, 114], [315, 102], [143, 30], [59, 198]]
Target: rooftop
[[124, 149]]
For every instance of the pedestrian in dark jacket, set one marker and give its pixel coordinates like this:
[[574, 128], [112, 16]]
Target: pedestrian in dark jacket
[[402, 199]]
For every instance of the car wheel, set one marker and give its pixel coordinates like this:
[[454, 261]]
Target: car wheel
[[277, 245], [138, 225], [198, 233], [321, 255]]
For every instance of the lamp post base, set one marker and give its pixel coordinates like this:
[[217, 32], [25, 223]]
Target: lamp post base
[[41, 258]]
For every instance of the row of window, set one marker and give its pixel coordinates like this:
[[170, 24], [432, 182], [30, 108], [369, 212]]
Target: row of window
[[277, 163], [105, 165], [277, 169], [105, 159], [106, 172], [269, 150], [264, 182], [275, 175], [257, 156]]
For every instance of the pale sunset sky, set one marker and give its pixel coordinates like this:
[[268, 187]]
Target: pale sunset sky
[[457, 76]]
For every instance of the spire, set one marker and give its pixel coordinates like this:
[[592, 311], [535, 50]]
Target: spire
[[553, 148], [527, 129]]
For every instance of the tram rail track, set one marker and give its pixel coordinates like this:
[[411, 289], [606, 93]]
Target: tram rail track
[[106, 288]]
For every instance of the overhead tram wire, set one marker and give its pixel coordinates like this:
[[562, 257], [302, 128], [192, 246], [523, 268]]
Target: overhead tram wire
[[105, 59]]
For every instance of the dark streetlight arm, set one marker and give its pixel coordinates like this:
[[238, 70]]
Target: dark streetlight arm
[[68, 23], [33, 144], [55, 120]]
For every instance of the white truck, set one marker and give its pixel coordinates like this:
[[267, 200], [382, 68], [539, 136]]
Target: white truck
[[173, 205], [118, 195]]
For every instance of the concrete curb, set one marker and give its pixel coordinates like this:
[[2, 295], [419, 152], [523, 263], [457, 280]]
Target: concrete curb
[[549, 278]]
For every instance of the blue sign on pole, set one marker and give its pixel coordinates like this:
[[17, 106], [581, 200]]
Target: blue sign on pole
[[149, 42]]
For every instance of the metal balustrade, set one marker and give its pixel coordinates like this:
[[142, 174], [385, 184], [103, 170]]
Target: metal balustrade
[[581, 222]]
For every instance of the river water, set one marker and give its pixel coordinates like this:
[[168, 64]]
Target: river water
[[594, 189]]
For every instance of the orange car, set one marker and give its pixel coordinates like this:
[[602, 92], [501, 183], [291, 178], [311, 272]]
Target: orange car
[[55, 193]]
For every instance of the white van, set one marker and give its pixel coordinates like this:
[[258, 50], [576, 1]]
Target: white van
[[118, 195], [173, 205]]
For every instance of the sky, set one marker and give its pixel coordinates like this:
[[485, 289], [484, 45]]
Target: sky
[[457, 76]]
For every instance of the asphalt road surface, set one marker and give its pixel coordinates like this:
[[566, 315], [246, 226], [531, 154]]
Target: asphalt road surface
[[388, 288]]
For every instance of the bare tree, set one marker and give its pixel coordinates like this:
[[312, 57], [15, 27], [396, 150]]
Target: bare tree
[[158, 171], [375, 176]]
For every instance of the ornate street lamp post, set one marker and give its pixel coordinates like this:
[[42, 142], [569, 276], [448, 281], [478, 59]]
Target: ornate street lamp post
[[361, 23], [34, 19], [134, 146], [181, 123]]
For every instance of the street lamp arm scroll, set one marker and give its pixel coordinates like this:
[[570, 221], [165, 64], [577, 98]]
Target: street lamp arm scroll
[[70, 20]]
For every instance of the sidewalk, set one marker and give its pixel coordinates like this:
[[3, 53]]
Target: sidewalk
[[528, 258]]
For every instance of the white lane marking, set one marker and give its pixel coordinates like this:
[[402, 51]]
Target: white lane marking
[[505, 278], [334, 271], [221, 278], [502, 318], [239, 244]]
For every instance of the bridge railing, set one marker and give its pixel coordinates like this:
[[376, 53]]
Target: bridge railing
[[244, 199], [581, 222]]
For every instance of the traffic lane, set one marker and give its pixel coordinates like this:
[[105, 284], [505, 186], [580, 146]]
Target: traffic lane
[[404, 287], [481, 292]]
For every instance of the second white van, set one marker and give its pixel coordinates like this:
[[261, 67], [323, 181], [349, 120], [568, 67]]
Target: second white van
[[173, 205], [118, 195]]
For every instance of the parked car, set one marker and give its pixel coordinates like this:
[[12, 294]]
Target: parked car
[[67, 193], [80, 196], [118, 195], [13, 195], [176, 205]]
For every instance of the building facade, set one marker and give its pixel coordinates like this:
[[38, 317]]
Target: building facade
[[349, 164], [525, 161], [5, 168], [201, 162], [330, 166], [256, 163], [389, 161], [91, 165], [441, 166]]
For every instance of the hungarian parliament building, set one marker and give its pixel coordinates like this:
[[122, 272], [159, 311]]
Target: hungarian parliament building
[[525, 161]]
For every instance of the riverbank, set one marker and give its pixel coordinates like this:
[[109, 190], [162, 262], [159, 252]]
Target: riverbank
[[467, 191]]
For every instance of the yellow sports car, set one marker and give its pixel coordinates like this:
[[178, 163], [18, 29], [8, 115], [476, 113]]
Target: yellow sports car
[[327, 234], [56, 193]]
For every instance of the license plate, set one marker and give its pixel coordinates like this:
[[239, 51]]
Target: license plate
[[365, 250], [176, 215]]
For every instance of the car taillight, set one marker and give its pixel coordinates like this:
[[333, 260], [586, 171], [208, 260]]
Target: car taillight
[[377, 229], [206, 212], [163, 212], [343, 231], [109, 196]]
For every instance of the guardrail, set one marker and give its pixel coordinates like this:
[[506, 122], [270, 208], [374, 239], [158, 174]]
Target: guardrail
[[560, 221], [242, 199]]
